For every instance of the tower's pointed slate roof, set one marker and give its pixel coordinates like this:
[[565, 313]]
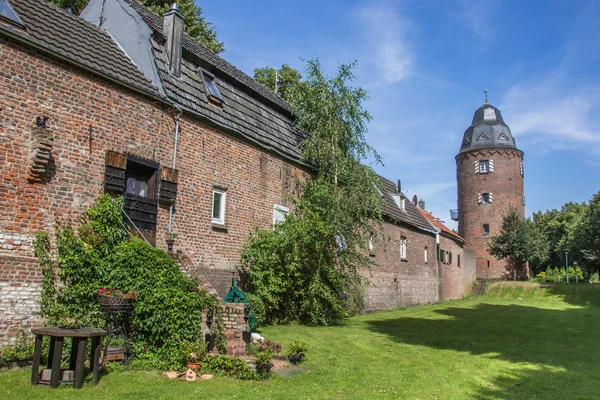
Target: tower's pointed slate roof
[[488, 130]]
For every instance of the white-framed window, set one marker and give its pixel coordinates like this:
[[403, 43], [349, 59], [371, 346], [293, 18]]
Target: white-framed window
[[402, 247], [484, 166], [279, 213], [403, 204], [484, 198], [521, 168], [425, 255], [218, 205]]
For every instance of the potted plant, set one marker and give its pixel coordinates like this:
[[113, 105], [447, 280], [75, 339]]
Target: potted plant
[[263, 361], [296, 352], [171, 241], [193, 353], [112, 299]]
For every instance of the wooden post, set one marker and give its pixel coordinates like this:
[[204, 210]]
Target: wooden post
[[95, 357], [37, 356], [79, 364], [51, 352], [56, 359], [73, 358]]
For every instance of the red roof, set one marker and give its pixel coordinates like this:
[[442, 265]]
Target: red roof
[[435, 222]]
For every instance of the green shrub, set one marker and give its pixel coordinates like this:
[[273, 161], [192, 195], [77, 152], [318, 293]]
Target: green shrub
[[297, 347], [229, 366], [20, 351], [264, 357], [167, 313], [257, 308]]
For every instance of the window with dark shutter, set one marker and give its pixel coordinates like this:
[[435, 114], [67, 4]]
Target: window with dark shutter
[[168, 185], [137, 180], [114, 171]]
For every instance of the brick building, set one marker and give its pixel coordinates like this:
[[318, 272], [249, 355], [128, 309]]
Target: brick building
[[489, 172], [196, 147]]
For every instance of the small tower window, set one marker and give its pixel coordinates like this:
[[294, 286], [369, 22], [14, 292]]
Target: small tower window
[[503, 137], [484, 166], [482, 137], [486, 229], [484, 198]]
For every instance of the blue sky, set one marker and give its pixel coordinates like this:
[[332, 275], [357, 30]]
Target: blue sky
[[425, 64]]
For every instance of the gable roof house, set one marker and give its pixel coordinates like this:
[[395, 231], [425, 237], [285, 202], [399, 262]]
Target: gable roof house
[[122, 100]]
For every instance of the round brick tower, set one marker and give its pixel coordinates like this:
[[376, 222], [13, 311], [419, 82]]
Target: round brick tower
[[489, 173]]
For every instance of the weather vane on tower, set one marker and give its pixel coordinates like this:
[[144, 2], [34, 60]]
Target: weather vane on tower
[[486, 92]]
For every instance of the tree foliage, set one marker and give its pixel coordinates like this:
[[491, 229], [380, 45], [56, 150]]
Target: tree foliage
[[287, 79], [195, 24], [519, 242], [559, 227], [586, 238], [307, 268]]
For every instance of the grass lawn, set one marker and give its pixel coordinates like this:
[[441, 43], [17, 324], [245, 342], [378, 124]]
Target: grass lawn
[[520, 341]]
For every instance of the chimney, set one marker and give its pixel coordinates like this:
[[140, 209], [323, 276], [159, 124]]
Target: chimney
[[415, 199], [399, 187], [173, 33], [422, 204]]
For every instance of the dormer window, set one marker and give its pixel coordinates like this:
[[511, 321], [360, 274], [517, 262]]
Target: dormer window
[[212, 91], [400, 201], [7, 13]]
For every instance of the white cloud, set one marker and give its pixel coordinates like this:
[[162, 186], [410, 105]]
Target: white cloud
[[386, 31], [555, 113]]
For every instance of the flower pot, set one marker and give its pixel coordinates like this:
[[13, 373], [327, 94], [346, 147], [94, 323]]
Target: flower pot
[[115, 304], [296, 358], [193, 365], [170, 243]]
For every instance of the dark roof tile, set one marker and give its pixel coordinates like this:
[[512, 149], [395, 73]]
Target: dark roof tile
[[68, 35]]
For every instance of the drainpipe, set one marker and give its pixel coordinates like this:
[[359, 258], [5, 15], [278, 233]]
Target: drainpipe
[[176, 118]]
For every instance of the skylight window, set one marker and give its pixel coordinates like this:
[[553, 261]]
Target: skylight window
[[212, 91], [7, 12]]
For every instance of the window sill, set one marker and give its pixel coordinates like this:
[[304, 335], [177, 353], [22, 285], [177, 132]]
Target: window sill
[[218, 227]]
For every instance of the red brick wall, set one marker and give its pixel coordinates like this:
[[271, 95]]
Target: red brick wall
[[35, 85], [399, 283], [506, 185], [456, 280]]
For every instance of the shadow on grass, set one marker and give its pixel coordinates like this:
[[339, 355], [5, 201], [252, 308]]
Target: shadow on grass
[[562, 344]]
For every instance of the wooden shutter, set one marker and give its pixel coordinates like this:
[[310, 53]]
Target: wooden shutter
[[442, 256], [458, 260], [114, 171], [491, 164], [479, 198], [476, 166], [450, 258], [168, 185], [490, 197], [521, 167]]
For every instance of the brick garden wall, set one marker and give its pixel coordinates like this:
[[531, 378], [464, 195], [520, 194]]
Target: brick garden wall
[[506, 185], [456, 280], [398, 283]]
